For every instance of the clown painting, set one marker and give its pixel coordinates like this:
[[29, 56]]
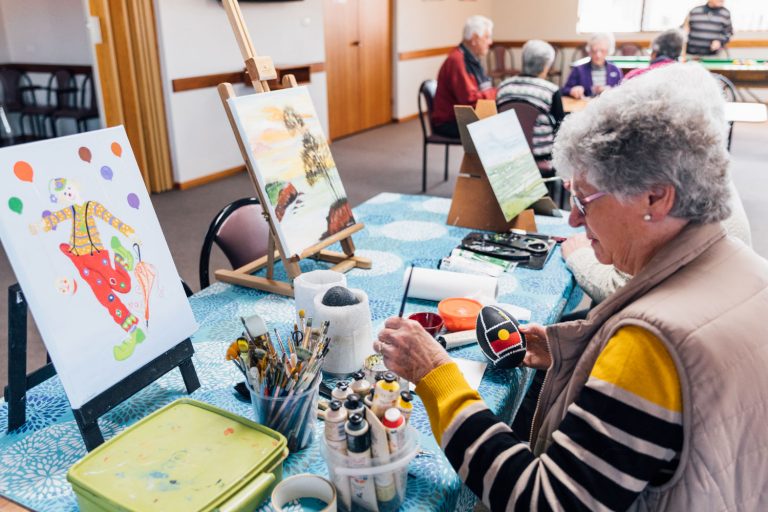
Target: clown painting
[[88, 251]]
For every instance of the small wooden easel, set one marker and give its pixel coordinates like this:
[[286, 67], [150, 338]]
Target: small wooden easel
[[474, 205], [87, 415], [260, 69]]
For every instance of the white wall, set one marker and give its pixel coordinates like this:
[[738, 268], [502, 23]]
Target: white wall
[[4, 51], [45, 31], [422, 25], [196, 39]]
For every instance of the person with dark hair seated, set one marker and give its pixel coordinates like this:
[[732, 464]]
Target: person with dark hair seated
[[666, 49], [462, 80], [658, 400]]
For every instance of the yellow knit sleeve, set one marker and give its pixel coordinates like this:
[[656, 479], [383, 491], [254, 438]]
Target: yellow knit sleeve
[[445, 393], [637, 362]]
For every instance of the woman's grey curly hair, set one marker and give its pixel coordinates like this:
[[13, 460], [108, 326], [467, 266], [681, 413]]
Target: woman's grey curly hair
[[664, 127]]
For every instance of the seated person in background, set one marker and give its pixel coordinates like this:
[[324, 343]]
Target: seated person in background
[[531, 85], [709, 28], [462, 80], [665, 49], [659, 399], [593, 77]]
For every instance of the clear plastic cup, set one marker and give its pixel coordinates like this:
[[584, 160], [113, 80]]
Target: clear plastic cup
[[293, 414], [349, 476]]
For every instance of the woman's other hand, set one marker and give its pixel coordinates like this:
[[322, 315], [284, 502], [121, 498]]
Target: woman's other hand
[[537, 347], [577, 92], [409, 350], [574, 243]]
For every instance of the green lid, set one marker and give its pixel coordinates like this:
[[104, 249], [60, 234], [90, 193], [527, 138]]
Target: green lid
[[186, 456]]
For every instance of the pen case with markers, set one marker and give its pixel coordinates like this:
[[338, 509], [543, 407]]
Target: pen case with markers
[[188, 456]]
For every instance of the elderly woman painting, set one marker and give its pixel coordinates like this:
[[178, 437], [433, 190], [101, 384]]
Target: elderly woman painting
[[657, 401], [597, 75], [532, 86]]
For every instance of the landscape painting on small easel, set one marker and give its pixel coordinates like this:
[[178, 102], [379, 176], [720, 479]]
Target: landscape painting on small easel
[[293, 166]]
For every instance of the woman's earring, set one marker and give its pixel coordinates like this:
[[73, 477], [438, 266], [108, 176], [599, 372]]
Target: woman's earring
[[647, 217]]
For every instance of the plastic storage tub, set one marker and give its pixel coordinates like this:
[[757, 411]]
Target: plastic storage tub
[[358, 487], [187, 456]]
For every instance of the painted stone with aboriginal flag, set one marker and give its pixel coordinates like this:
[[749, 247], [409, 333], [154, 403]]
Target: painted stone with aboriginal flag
[[500, 338]]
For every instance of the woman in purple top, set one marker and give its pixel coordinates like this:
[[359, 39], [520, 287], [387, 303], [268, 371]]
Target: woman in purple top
[[598, 74]]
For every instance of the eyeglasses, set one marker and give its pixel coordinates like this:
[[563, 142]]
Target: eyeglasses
[[581, 204]]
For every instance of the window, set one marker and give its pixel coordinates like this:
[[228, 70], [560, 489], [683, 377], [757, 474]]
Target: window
[[657, 15]]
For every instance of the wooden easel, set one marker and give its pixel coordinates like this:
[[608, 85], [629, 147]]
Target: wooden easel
[[474, 205], [260, 69]]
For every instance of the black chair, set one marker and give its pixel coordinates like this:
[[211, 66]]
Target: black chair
[[60, 93], [241, 232], [427, 99], [729, 93], [529, 114], [18, 93], [87, 107]]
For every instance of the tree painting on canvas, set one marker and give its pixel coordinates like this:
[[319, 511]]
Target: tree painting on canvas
[[85, 244], [289, 154]]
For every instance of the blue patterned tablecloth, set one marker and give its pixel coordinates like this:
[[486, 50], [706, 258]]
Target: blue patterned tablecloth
[[400, 230]]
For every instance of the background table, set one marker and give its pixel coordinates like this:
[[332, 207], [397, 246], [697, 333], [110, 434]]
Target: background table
[[400, 230], [742, 72]]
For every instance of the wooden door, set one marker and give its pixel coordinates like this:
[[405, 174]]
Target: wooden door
[[358, 63]]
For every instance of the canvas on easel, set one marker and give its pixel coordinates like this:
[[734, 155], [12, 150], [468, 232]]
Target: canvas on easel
[[86, 246], [290, 164]]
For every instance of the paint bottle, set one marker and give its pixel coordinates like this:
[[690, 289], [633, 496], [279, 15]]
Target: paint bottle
[[336, 440], [360, 385], [394, 423], [341, 391], [359, 456], [335, 419], [353, 405], [368, 400], [387, 391], [405, 405]]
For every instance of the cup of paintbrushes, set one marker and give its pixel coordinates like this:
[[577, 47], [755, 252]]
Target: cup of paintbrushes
[[289, 408]]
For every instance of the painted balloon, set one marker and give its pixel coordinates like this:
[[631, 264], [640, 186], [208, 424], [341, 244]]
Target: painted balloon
[[15, 205], [23, 171], [133, 200], [85, 154], [116, 149], [106, 173]]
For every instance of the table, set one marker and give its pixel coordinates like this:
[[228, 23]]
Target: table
[[744, 112], [399, 230], [742, 72]]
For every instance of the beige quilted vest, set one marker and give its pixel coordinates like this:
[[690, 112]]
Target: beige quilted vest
[[706, 297]]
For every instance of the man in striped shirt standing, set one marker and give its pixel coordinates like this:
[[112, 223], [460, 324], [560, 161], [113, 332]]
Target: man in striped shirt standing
[[709, 28]]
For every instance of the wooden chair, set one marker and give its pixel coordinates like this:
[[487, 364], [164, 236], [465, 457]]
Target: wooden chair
[[629, 50], [86, 108], [529, 114], [426, 102], [555, 74], [241, 232], [579, 53], [501, 63]]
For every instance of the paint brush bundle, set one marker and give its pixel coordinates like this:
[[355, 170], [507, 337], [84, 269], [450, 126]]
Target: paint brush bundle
[[283, 375]]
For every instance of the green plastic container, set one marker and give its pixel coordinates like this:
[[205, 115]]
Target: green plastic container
[[188, 456]]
